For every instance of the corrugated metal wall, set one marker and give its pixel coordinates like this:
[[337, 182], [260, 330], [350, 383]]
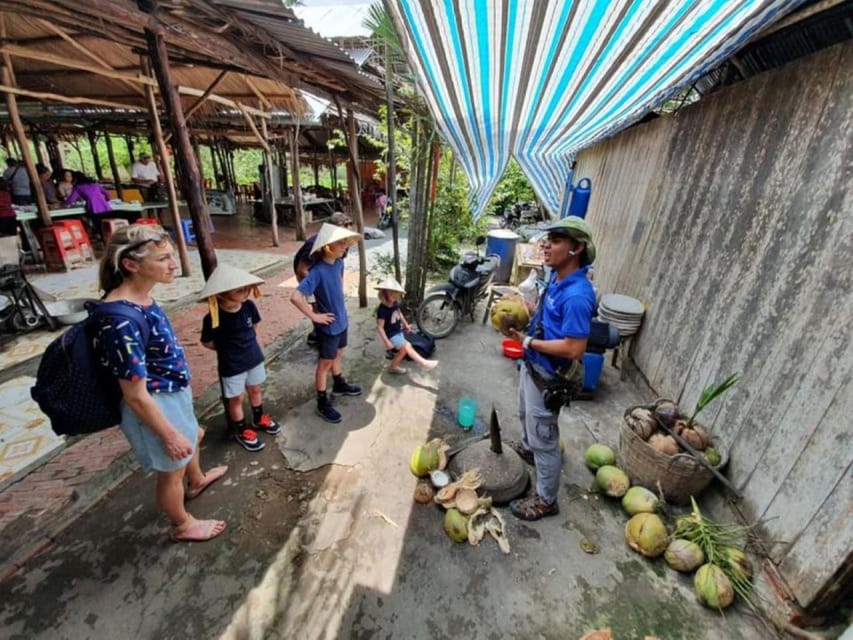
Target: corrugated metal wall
[[733, 221]]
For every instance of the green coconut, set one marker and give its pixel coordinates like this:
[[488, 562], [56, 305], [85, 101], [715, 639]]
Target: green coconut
[[509, 313], [683, 555], [640, 500], [425, 458], [739, 566], [456, 525], [646, 533], [713, 587], [612, 481], [599, 455], [712, 456]]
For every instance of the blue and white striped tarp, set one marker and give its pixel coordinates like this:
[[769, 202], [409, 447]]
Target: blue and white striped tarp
[[542, 79]]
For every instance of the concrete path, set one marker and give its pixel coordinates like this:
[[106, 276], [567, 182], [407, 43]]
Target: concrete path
[[324, 540]]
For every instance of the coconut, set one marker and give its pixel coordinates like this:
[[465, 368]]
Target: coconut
[[739, 567], [599, 455], [423, 492], [424, 459], [667, 412], [466, 501], [713, 587], [646, 533], [509, 313], [683, 555], [693, 437], [664, 443], [456, 525], [640, 500], [642, 422], [712, 456], [612, 481]]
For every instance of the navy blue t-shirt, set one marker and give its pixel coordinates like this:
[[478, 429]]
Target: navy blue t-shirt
[[237, 347], [326, 283], [392, 317]]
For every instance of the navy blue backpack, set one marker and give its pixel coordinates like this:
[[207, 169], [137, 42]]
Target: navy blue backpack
[[72, 387]]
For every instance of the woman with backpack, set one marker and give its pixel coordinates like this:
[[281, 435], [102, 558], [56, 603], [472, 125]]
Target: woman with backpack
[[157, 414]]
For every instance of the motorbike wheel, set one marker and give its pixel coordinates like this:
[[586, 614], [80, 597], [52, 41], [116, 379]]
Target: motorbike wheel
[[438, 315]]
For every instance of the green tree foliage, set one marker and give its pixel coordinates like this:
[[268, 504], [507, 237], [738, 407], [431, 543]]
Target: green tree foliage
[[513, 187]]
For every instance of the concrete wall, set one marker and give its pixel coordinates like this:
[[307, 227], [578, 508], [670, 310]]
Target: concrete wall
[[732, 220]]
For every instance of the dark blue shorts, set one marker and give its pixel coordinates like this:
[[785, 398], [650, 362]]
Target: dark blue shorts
[[328, 345]]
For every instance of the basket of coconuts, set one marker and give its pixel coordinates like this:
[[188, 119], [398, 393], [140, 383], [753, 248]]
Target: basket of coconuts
[[650, 456]]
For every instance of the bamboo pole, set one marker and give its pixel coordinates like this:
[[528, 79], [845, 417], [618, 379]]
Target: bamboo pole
[[355, 194], [298, 211], [163, 154], [113, 166], [18, 127], [268, 195], [93, 147], [128, 140], [392, 161]]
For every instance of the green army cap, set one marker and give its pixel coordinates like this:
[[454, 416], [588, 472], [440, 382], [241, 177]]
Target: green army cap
[[577, 229]]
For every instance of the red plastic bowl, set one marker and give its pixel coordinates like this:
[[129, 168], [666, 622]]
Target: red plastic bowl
[[512, 349]]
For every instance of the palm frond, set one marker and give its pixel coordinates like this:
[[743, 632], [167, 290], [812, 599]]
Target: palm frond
[[710, 393]]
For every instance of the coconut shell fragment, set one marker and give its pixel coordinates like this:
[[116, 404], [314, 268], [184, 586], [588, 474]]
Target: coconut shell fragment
[[466, 501], [423, 492]]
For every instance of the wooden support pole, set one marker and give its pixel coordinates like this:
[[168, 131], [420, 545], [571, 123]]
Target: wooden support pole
[[128, 140], [268, 195], [355, 194], [113, 166], [171, 192], [93, 147], [18, 127], [298, 211], [392, 161]]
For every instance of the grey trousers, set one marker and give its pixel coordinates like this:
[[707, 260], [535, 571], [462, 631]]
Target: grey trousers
[[540, 433]]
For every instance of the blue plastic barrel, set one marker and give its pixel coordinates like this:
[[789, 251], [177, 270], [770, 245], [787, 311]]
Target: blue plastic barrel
[[580, 198], [593, 363], [502, 242]]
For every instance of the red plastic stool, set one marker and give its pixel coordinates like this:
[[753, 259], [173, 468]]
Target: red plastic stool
[[58, 247], [110, 225], [147, 221], [80, 237]]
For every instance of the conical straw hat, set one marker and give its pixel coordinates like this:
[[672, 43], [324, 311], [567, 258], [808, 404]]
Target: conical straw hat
[[225, 278], [390, 284], [329, 233]]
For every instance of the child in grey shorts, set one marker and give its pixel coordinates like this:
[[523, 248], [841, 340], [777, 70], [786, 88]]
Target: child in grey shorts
[[229, 329]]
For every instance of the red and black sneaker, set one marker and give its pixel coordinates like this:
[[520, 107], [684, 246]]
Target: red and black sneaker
[[249, 440], [267, 425]]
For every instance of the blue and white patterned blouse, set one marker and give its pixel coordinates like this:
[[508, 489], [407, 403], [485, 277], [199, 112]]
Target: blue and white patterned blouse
[[162, 362]]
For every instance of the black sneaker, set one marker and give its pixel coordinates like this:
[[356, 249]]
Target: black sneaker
[[249, 440], [267, 425], [346, 389], [328, 412]]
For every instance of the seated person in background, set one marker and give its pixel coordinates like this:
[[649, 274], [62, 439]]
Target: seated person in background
[[47, 186], [8, 218], [19, 181], [97, 198], [65, 185], [146, 174]]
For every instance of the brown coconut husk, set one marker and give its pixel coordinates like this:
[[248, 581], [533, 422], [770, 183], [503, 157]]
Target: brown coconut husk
[[423, 492], [466, 501]]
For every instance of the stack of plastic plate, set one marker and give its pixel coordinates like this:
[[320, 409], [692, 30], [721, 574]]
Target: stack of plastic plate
[[623, 312]]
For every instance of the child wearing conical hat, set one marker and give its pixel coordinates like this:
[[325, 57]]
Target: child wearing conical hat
[[325, 281], [390, 324], [229, 328]]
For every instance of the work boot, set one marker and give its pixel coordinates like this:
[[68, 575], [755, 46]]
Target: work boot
[[326, 411], [342, 388]]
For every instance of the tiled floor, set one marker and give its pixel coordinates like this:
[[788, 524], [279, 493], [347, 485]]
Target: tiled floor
[[25, 434]]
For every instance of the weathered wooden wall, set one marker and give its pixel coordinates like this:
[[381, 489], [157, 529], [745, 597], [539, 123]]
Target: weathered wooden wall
[[732, 221]]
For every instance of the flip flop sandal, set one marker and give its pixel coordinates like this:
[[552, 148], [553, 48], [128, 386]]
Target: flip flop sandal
[[209, 478], [249, 440], [198, 531]]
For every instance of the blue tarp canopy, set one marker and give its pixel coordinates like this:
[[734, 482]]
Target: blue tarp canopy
[[542, 79]]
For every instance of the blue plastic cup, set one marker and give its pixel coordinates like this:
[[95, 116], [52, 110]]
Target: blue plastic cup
[[467, 412]]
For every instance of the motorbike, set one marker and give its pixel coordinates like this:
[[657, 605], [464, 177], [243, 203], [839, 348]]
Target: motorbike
[[446, 304], [519, 215]]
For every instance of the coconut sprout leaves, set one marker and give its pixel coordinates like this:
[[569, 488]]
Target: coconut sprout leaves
[[710, 393]]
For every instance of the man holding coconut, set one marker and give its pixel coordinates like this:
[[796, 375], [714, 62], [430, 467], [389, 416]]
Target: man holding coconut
[[553, 352]]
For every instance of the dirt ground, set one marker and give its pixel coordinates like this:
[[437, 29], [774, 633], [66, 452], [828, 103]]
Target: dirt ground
[[324, 540]]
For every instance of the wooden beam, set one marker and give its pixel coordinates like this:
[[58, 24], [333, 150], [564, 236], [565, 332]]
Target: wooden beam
[[53, 97], [86, 52], [263, 99], [171, 192], [269, 199], [21, 52], [204, 96], [190, 179], [251, 123], [299, 212], [189, 91], [355, 194]]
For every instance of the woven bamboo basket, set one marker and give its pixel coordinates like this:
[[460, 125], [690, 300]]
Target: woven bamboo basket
[[680, 476]]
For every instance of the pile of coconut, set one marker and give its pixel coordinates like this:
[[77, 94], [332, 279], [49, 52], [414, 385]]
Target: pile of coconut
[[645, 422], [468, 516], [715, 551]]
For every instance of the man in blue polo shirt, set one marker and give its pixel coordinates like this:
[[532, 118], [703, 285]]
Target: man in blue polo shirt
[[555, 341]]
